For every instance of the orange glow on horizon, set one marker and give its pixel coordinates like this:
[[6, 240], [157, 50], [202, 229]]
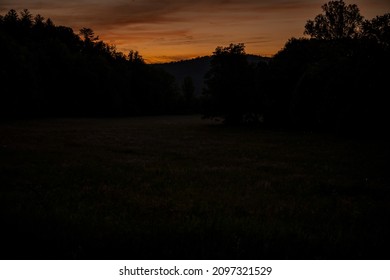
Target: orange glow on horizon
[[171, 30]]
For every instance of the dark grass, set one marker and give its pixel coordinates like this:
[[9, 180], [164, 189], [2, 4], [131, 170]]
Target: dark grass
[[185, 188]]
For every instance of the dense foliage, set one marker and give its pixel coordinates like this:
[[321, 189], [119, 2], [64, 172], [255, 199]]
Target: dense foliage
[[335, 80], [337, 21], [48, 70], [230, 93]]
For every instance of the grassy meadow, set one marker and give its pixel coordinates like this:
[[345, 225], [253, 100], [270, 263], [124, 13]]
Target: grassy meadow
[[187, 188]]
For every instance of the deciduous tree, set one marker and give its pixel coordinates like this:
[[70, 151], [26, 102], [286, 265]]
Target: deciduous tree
[[338, 21]]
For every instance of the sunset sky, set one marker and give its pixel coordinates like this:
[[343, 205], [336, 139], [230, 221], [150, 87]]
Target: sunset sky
[[169, 30]]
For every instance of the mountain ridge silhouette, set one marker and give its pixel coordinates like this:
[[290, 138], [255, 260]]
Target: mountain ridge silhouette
[[196, 68]]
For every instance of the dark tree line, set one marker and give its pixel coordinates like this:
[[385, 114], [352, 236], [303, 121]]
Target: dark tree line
[[230, 85], [337, 79], [48, 70]]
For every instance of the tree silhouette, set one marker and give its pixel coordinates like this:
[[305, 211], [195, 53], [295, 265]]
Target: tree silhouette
[[325, 81], [26, 19], [39, 20], [88, 34], [338, 21], [335, 79], [11, 17], [229, 85], [135, 58], [378, 29], [48, 70]]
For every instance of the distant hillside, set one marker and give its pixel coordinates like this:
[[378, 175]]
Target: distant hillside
[[196, 69]]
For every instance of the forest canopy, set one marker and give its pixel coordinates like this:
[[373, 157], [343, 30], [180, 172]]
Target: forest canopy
[[49, 70], [334, 78]]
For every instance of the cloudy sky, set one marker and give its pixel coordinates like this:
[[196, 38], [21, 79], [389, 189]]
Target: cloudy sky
[[166, 30]]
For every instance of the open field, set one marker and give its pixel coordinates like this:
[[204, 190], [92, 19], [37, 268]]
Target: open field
[[182, 187]]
